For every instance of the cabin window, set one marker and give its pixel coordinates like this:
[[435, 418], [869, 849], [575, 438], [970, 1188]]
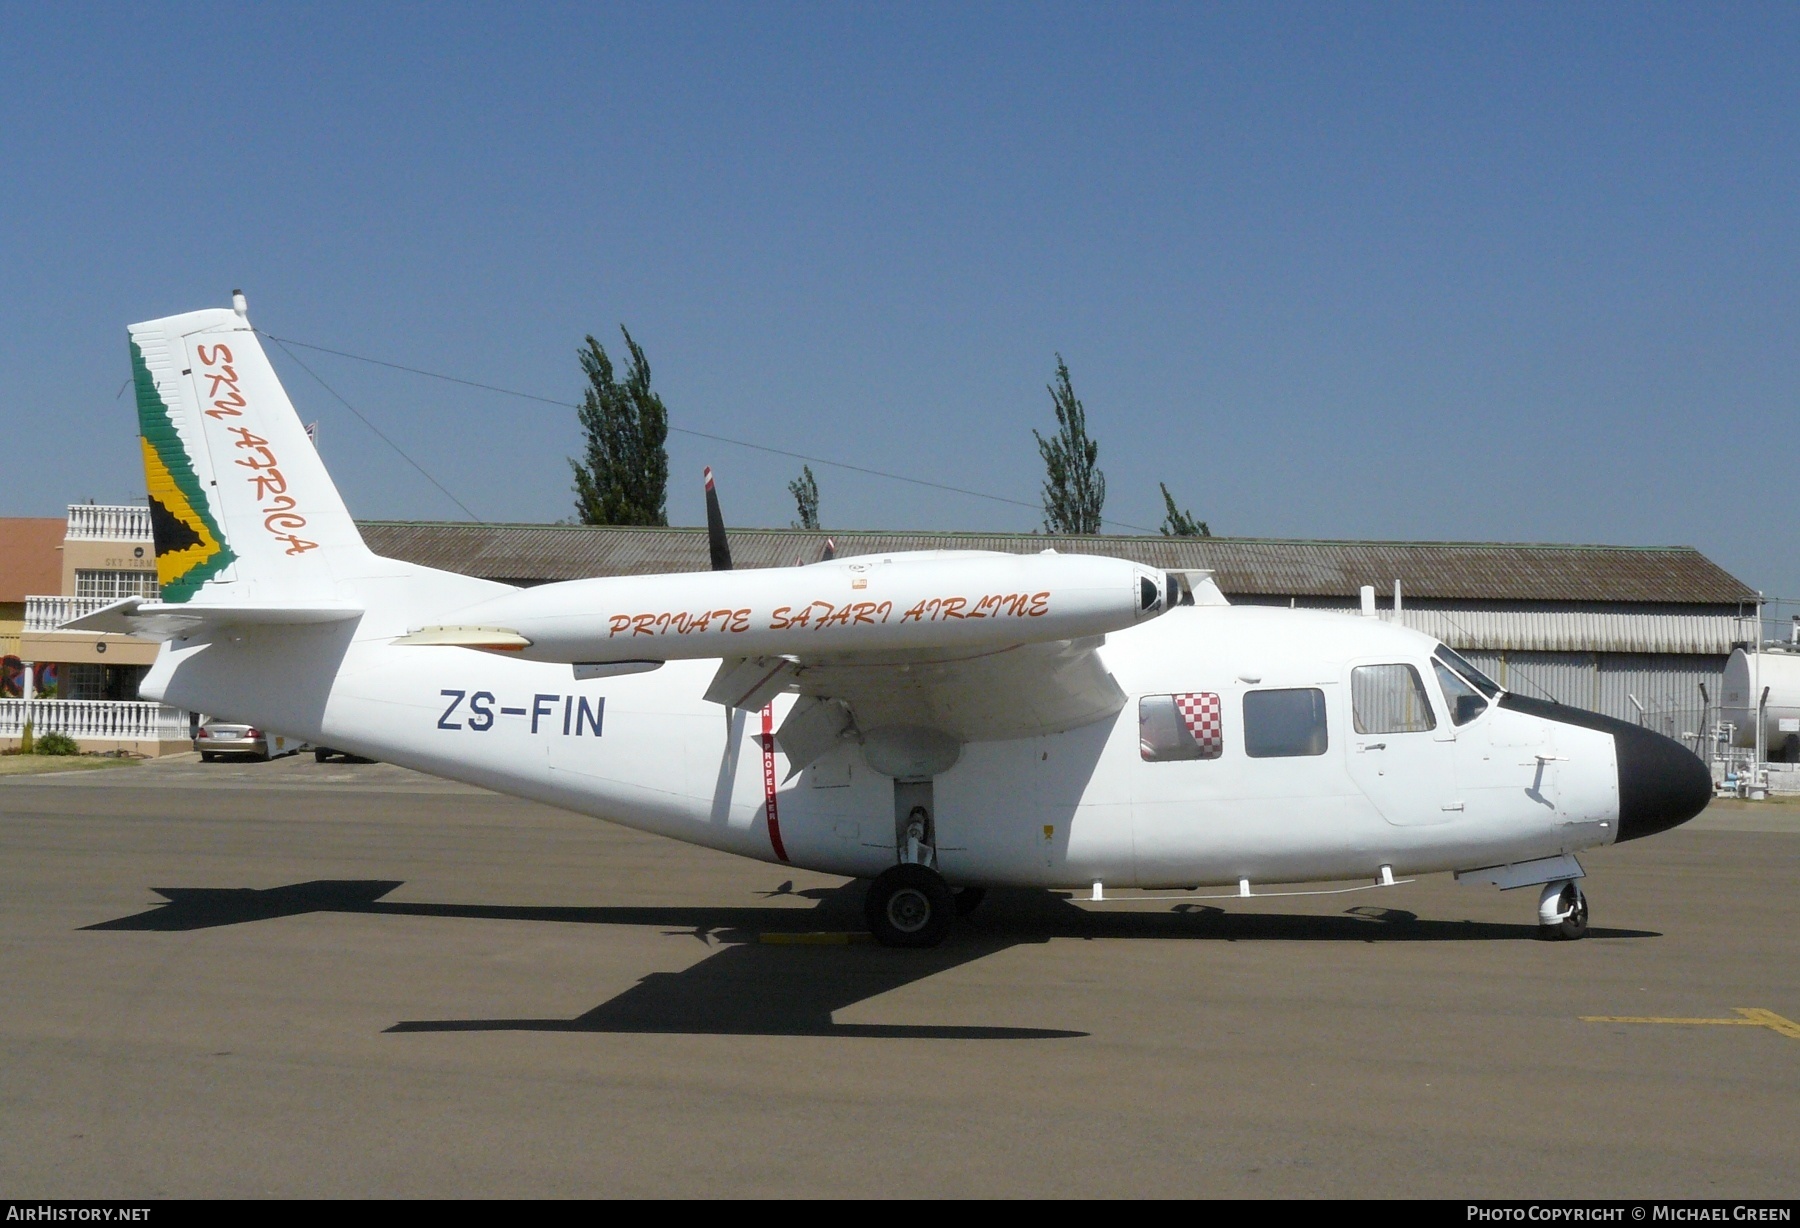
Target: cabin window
[[1464, 701], [1389, 699], [1185, 726], [1284, 724]]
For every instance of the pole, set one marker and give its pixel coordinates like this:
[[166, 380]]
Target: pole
[[1762, 734], [1759, 742], [1705, 726]]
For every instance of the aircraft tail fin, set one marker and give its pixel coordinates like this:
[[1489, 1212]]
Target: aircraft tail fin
[[241, 507]]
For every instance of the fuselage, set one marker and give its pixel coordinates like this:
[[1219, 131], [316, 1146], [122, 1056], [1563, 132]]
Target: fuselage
[[1288, 786]]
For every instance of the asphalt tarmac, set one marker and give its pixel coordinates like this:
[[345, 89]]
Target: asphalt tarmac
[[348, 980]]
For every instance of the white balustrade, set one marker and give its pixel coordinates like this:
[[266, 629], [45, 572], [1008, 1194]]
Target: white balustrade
[[94, 720], [50, 613], [108, 522]]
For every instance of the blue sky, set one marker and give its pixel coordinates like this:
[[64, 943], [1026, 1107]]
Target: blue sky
[[1495, 272]]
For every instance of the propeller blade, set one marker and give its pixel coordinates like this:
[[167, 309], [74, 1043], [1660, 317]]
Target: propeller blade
[[715, 528], [830, 549]]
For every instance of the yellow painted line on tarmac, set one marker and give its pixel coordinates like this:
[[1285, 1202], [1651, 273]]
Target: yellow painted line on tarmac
[[816, 938], [1769, 1019], [1751, 1017]]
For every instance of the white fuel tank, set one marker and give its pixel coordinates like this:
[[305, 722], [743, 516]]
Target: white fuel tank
[[869, 603], [1746, 674]]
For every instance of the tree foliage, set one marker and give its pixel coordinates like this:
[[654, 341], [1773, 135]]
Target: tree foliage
[[625, 477], [805, 490], [1074, 487], [1177, 523]]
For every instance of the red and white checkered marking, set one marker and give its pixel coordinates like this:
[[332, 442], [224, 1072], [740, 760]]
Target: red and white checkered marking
[[1200, 713]]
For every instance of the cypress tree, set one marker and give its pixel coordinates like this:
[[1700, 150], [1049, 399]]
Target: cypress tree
[[1074, 487], [625, 479], [1177, 523], [806, 498]]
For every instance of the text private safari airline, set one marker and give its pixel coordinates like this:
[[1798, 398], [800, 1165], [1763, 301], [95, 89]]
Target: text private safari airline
[[937, 722]]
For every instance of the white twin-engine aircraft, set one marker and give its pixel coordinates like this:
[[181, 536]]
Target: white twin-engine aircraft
[[937, 722]]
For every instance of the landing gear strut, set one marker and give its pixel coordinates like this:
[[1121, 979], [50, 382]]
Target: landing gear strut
[[1562, 911], [909, 905]]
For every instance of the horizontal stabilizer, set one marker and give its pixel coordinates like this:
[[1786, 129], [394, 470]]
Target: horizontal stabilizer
[[158, 620]]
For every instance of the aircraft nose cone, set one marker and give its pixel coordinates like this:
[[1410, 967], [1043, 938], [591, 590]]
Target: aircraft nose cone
[[1662, 784]]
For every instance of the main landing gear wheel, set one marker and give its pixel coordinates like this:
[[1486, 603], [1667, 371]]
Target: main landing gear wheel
[[909, 906], [1562, 912], [968, 899]]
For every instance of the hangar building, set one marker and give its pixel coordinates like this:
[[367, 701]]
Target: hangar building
[[1634, 632]]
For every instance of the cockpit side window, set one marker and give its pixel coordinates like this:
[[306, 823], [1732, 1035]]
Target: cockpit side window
[[1464, 701], [1389, 699]]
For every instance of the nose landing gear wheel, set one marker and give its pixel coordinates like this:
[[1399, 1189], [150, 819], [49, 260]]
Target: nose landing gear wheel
[[1562, 912], [909, 906]]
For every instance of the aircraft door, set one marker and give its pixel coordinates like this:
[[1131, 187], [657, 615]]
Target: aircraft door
[[1394, 756]]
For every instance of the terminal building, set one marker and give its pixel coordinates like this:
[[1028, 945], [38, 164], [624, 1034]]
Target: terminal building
[[1638, 633], [75, 682]]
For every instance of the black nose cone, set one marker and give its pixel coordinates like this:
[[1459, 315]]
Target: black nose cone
[[1661, 782]]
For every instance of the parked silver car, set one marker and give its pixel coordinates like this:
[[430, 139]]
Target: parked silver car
[[216, 738]]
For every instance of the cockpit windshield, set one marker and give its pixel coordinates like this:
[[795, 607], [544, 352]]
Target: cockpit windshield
[[1464, 703], [1466, 689], [1480, 681]]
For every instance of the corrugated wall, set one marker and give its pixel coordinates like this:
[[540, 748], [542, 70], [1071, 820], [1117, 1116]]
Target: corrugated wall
[[1666, 686], [1566, 631]]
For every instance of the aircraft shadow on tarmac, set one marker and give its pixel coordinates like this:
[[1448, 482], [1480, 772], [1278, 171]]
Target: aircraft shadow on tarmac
[[755, 988]]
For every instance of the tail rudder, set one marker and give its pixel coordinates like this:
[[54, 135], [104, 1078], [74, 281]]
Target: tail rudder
[[241, 507]]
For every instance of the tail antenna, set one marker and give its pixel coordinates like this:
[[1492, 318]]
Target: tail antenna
[[715, 528]]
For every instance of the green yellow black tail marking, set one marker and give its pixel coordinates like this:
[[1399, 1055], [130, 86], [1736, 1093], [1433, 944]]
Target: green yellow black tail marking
[[190, 548]]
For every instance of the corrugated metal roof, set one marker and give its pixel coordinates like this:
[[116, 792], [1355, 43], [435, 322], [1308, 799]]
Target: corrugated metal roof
[[1247, 567]]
